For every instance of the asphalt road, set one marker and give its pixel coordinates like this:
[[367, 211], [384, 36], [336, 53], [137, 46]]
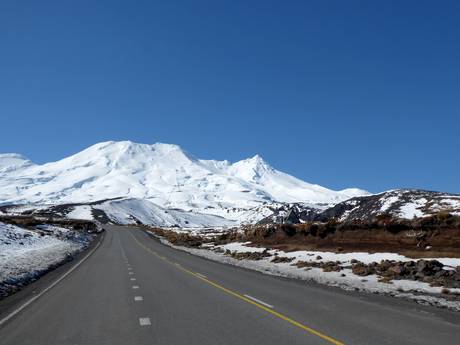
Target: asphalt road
[[135, 291]]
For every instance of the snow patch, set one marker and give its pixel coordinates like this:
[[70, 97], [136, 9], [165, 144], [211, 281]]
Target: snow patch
[[411, 210], [388, 202], [81, 212]]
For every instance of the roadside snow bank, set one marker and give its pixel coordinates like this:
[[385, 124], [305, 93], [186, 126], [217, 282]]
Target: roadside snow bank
[[25, 255], [418, 291], [344, 258]]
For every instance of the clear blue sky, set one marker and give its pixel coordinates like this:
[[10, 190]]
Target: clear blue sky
[[339, 93]]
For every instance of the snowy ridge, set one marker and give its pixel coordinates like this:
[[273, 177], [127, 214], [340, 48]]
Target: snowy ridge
[[13, 162], [162, 174], [400, 203]]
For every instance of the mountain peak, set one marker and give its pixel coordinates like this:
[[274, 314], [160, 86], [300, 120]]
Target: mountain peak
[[162, 173], [17, 156], [127, 144], [251, 169], [13, 161], [126, 151], [255, 161]]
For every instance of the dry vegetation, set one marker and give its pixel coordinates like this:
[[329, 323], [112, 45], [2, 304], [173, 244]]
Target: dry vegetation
[[30, 222], [434, 236], [428, 237], [437, 235]]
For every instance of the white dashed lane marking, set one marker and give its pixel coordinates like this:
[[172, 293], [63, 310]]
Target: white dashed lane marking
[[133, 279], [144, 321], [259, 301], [130, 272], [135, 286], [138, 298]]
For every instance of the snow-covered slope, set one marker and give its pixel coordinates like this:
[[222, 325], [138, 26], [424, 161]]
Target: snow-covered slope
[[26, 254], [399, 203], [10, 162], [131, 211], [161, 173]]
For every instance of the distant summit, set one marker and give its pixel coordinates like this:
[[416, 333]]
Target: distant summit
[[161, 173]]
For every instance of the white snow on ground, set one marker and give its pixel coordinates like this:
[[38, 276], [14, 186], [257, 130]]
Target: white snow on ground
[[410, 210], [454, 203], [20, 209], [415, 290], [25, 253], [386, 204], [344, 258], [241, 247], [81, 212], [127, 211]]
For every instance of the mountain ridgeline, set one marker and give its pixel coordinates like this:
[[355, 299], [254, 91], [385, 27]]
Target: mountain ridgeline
[[163, 185]]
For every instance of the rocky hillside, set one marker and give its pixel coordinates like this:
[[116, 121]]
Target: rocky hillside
[[395, 204]]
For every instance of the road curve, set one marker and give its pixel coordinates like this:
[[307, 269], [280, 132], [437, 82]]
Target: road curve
[[135, 291]]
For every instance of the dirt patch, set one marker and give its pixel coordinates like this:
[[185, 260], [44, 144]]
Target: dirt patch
[[248, 255], [281, 259], [328, 266], [179, 238]]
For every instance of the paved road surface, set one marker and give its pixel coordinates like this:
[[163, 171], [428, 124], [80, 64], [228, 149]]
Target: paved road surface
[[135, 291]]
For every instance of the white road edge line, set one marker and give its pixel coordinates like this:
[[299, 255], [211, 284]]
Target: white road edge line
[[144, 321], [259, 301], [201, 275], [138, 298], [30, 301]]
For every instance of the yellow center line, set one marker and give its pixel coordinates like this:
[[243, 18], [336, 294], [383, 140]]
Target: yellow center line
[[242, 297]]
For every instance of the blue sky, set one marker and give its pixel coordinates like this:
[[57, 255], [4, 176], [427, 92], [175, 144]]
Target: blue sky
[[339, 93]]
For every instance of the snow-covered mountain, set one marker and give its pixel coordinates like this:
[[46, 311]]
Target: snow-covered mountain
[[163, 174], [162, 185]]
